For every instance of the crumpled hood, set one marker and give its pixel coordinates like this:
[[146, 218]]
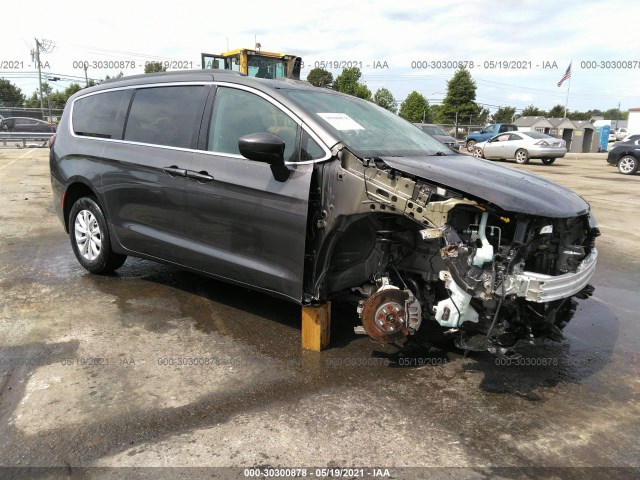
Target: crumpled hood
[[510, 189]]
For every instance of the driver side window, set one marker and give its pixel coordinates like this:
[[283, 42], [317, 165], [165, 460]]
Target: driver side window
[[237, 113]]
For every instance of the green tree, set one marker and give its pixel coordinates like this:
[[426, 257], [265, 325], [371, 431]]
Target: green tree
[[615, 114], [415, 108], [384, 98], [319, 77], [579, 115], [71, 89], [532, 111], [348, 82], [54, 100], [460, 100], [120, 75], [57, 99], [504, 114], [434, 112], [153, 67], [556, 112], [10, 95], [483, 116], [34, 100]]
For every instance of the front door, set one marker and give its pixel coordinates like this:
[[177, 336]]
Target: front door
[[244, 225], [496, 147]]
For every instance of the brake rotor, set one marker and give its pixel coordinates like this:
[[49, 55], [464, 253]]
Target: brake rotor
[[384, 316]]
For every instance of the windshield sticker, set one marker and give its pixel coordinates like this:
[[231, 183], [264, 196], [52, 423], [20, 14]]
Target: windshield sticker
[[341, 121]]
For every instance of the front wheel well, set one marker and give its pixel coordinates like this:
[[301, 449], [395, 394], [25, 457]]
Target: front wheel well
[[74, 192]]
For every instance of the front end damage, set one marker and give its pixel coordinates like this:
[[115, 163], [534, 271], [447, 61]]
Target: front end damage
[[416, 251]]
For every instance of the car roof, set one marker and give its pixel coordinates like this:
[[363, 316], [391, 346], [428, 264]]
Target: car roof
[[273, 87], [209, 75]]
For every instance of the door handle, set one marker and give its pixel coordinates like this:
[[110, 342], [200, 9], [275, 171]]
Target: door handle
[[201, 177], [174, 171]]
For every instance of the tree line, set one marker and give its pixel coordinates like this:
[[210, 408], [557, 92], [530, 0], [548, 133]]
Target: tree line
[[459, 105], [12, 96]]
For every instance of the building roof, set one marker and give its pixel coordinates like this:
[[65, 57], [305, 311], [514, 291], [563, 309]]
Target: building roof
[[531, 121], [584, 125], [559, 122]]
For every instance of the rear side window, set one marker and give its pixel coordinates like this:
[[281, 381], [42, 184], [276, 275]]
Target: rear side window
[[101, 115], [166, 115]]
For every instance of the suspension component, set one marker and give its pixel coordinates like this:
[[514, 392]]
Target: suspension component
[[390, 314]]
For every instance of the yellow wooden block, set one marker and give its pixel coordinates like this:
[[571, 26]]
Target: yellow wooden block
[[316, 326]]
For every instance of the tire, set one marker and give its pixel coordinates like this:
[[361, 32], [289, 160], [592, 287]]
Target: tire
[[470, 145], [522, 156], [477, 152], [628, 165], [89, 237], [548, 161]]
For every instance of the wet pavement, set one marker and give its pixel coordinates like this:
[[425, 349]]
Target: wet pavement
[[154, 366]]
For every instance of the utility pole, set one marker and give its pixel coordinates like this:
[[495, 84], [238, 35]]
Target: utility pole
[[36, 56], [46, 46], [86, 78]]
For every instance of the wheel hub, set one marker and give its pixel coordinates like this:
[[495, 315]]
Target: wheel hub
[[384, 316], [87, 235]]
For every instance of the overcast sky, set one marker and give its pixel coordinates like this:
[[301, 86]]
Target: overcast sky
[[398, 32]]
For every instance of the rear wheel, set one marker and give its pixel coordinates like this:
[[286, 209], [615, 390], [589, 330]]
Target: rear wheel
[[548, 161], [522, 156], [90, 238], [628, 165], [470, 145]]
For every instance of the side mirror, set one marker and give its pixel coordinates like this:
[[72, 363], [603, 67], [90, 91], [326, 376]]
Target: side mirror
[[268, 148]]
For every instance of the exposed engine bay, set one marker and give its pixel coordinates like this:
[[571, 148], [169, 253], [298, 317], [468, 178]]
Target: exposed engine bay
[[416, 252]]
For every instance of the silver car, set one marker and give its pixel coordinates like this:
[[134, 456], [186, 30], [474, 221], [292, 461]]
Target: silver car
[[522, 146]]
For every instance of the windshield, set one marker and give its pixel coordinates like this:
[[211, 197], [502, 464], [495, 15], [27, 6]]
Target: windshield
[[536, 135], [433, 130], [366, 129], [266, 67]]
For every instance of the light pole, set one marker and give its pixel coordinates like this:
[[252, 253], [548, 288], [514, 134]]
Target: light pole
[[51, 79]]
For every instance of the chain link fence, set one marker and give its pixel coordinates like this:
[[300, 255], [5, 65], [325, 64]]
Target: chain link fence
[[459, 131], [52, 115], [23, 126]]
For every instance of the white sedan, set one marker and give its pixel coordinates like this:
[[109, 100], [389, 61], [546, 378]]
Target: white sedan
[[522, 146]]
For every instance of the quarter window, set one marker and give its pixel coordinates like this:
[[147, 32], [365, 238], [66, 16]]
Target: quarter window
[[101, 115], [237, 113], [310, 150], [166, 115]]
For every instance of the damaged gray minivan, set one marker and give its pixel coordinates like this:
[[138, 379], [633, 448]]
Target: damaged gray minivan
[[306, 194]]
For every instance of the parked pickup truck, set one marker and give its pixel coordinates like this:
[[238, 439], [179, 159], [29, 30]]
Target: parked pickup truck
[[486, 133]]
